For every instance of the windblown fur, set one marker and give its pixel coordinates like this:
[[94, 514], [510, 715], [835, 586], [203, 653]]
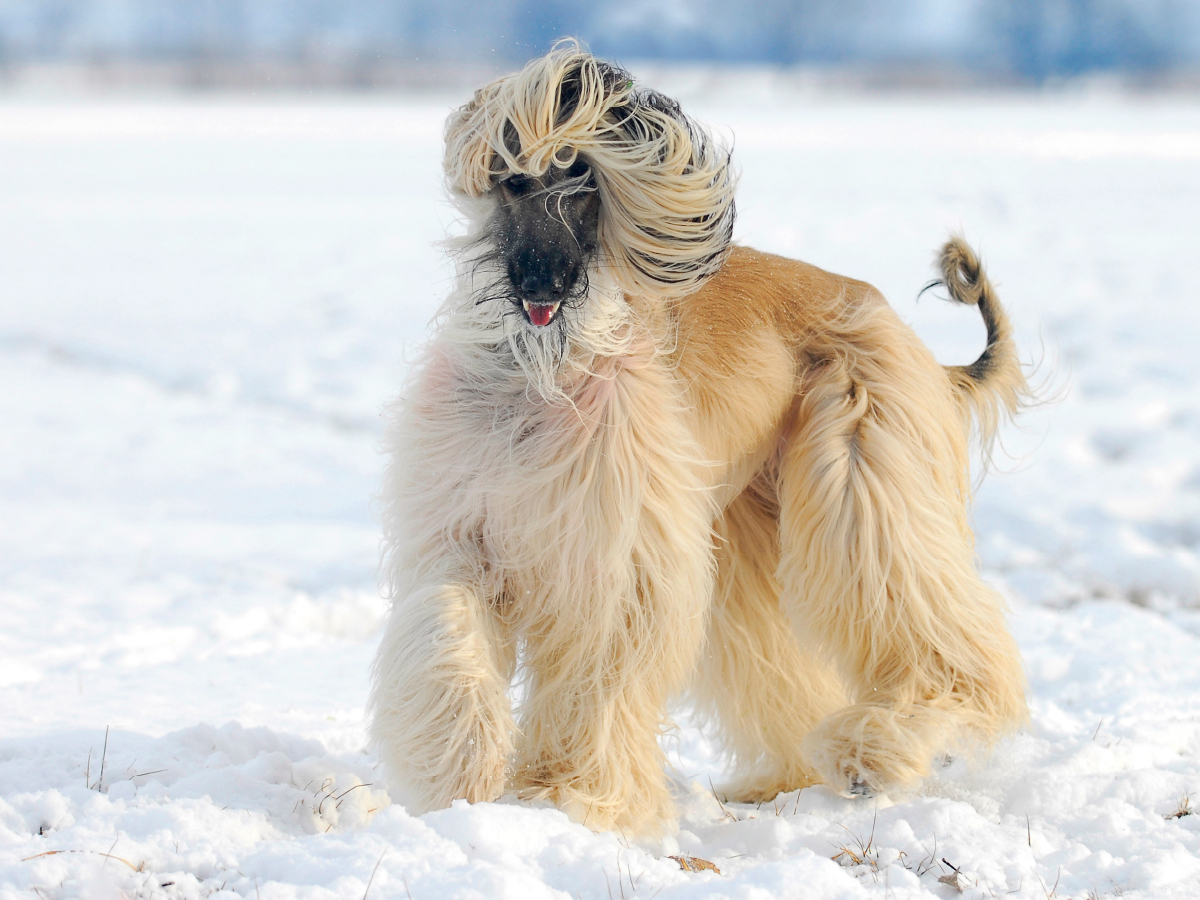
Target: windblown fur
[[666, 187], [678, 452]]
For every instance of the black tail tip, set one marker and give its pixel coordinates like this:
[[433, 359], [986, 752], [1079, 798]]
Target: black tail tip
[[962, 273]]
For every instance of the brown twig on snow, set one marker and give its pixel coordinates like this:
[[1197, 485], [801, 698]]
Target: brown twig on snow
[[140, 868], [720, 802], [1183, 809], [955, 879], [373, 871], [695, 864], [103, 759]]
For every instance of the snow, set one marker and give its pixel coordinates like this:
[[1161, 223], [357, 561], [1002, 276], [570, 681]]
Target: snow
[[205, 301]]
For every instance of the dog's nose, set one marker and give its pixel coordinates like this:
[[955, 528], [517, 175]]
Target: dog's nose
[[543, 275], [543, 285]]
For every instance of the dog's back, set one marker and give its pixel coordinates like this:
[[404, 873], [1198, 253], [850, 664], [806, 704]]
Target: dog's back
[[768, 320]]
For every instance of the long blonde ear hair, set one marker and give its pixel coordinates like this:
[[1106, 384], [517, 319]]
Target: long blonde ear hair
[[666, 187]]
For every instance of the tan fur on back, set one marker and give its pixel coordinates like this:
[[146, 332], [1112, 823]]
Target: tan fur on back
[[744, 340], [754, 491]]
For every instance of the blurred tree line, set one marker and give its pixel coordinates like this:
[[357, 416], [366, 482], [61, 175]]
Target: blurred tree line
[[1027, 39]]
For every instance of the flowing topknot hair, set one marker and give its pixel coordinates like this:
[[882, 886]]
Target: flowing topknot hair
[[666, 187]]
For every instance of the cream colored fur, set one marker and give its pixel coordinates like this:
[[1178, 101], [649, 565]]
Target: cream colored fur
[[667, 188], [767, 476]]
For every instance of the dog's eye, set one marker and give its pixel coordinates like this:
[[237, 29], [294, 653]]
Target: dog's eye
[[518, 184], [578, 169]]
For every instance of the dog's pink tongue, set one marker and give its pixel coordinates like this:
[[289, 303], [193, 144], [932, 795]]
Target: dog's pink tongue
[[540, 313]]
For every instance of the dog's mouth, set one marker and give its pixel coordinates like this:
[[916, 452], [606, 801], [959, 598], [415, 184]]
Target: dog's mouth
[[540, 314]]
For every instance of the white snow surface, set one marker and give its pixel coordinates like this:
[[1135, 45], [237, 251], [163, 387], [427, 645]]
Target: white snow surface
[[204, 304]]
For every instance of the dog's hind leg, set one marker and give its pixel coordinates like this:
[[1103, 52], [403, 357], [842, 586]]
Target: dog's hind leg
[[878, 564], [440, 714], [754, 683]]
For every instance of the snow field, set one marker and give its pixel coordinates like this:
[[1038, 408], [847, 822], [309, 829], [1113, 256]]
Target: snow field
[[204, 302]]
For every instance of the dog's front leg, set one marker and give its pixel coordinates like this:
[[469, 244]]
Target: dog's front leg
[[598, 703], [614, 627], [440, 714]]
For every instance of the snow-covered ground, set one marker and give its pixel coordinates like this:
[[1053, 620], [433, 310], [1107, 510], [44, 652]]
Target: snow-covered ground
[[204, 302]]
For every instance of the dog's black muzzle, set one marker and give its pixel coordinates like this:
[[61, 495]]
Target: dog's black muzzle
[[543, 277]]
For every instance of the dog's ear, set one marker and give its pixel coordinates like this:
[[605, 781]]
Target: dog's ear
[[667, 191], [530, 120], [468, 161]]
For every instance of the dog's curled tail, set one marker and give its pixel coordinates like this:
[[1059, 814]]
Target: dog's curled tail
[[993, 387]]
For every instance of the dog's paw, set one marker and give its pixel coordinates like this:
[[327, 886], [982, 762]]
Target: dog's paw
[[861, 789], [647, 811], [765, 787], [864, 750]]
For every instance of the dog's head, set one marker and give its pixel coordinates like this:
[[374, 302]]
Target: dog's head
[[585, 172]]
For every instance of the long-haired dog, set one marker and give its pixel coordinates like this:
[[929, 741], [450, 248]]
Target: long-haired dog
[[635, 461]]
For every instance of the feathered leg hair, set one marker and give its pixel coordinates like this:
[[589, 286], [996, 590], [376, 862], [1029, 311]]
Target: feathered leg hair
[[756, 685], [878, 564]]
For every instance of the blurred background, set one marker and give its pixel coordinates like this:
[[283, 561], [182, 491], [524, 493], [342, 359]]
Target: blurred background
[[369, 43]]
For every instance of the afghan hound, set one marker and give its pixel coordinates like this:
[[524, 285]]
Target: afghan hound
[[636, 461]]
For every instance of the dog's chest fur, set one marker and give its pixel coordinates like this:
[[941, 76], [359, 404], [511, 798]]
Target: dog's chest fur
[[551, 490]]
